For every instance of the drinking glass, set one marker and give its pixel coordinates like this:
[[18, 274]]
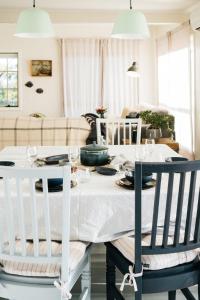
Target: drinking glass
[[150, 142], [31, 153], [74, 153], [83, 175]]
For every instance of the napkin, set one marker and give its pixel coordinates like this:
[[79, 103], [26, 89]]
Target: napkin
[[121, 163]]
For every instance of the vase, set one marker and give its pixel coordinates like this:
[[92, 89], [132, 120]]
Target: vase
[[101, 115], [153, 133]]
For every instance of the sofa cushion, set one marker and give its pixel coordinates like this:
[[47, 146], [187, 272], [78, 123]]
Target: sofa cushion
[[138, 108], [45, 132]]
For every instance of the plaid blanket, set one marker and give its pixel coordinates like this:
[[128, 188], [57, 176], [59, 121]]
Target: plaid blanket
[[48, 131]]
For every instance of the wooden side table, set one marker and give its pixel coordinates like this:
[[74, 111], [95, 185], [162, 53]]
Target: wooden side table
[[172, 144]]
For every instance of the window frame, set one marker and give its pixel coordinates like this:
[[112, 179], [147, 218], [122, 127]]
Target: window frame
[[19, 107]]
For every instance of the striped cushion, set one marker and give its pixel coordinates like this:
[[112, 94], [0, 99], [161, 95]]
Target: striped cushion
[[77, 251], [126, 246]]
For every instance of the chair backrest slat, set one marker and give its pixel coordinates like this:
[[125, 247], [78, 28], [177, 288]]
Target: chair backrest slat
[[113, 132], [119, 131], [10, 219], [20, 208], [190, 207], [156, 210], [65, 227], [34, 219], [124, 135], [130, 134], [179, 209], [47, 216], [197, 223], [168, 209]]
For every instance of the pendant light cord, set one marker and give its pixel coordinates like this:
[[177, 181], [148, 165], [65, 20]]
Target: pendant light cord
[[131, 7], [33, 3]]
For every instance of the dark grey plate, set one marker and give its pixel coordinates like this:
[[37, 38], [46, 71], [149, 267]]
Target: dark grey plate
[[7, 163], [125, 183], [52, 188], [54, 159], [106, 171]]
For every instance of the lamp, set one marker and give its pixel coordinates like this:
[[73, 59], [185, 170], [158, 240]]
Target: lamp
[[34, 23], [131, 25], [133, 70]]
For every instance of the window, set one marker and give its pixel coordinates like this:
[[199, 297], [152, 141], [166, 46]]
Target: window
[[9, 80], [174, 82]]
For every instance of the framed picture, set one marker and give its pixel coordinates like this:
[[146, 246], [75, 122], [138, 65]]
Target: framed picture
[[41, 68]]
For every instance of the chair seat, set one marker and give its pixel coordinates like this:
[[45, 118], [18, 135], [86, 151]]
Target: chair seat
[[77, 252], [126, 246]]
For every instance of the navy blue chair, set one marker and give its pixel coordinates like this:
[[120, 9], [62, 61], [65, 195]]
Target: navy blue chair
[[170, 279]]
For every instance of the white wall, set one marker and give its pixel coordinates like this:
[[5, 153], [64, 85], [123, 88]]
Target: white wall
[[51, 101]]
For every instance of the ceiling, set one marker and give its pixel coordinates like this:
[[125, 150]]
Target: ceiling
[[150, 5]]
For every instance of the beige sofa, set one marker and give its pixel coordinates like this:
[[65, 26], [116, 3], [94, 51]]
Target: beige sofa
[[43, 131]]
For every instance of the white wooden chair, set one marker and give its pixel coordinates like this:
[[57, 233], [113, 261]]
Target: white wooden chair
[[119, 131], [29, 264]]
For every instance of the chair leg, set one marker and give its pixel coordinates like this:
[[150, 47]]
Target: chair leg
[[188, 295], [172, 295], [110, 278], [199, 291], [138, 294], [86, 280]]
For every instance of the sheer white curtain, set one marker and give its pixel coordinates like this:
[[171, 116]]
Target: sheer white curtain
[[82, 72], [174, 82], [119, 90], [95, 74], [197, 94]]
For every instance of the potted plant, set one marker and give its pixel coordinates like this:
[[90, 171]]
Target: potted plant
[[160, 124]]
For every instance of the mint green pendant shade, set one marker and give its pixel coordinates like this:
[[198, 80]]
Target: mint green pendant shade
[[131, 25], [34, 23]]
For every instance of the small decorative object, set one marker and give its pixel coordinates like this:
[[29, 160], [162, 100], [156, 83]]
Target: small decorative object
[[101, 111], [40, 91], [29, 84], [37, 115], [41, 68]]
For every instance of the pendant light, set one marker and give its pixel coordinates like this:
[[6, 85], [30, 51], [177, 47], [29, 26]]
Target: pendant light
[[131, 25], [133, 70], [34, 23]]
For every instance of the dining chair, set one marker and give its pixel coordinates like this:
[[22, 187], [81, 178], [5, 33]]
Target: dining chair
[[166, 258], [119, 131], [34, 264]]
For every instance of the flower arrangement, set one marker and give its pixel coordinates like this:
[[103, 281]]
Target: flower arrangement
[[101, 111]]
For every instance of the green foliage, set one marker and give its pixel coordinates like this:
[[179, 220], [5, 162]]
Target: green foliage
[[158, 120]]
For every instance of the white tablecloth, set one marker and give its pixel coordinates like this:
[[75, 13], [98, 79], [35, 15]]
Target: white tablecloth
[[100, 210]]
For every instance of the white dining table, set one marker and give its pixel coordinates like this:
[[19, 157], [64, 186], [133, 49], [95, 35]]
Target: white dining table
[[100, 209]]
